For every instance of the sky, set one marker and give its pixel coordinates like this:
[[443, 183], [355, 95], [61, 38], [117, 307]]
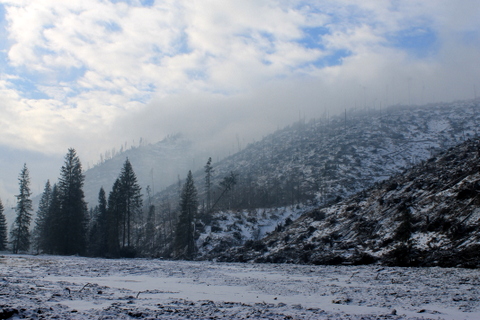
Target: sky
[[94, 74]]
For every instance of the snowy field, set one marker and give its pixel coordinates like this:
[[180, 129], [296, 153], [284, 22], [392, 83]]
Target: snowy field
[[45, 287]]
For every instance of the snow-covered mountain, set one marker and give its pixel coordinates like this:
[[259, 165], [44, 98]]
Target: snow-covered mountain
[[320, 163], [323, 160], [331, 158], [427, 216]]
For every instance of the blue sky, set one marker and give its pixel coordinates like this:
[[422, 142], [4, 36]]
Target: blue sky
[[93, 74]]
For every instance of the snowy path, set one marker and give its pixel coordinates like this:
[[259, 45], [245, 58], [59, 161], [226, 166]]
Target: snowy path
[[41, 287]]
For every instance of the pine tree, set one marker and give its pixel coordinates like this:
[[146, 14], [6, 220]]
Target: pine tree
[[150, 236], [3, 229], [150, 226], [102, 222], [115, 219], [184, 237], [132, 196], [93, 233], [53, 235], [40, 232], [73, 209], [208, 182], [20, 235], [98, 233]]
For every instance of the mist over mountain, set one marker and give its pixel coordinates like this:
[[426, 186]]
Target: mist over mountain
[[156, 165], [318, 163], [321, 160]]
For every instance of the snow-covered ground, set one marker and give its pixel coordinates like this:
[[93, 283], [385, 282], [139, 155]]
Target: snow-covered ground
[[40, 287]]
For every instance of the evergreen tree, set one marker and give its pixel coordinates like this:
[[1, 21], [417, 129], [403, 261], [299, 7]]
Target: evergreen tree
[[53, 232], [131, 195], [3, 229], [40, 232], [93, 233], [150, 236], [403, 252], [184, 237], [98, 233], [115, 219], [208, 183], [20, 235], [150, 227], [102, 222], [73, 209]]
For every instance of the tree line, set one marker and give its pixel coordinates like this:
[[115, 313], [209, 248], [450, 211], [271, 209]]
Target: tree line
[[122, 224]]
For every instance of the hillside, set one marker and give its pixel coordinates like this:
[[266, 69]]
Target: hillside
[[322, 160], [289, 172], [316, 164], [327, 159], [427, 216]]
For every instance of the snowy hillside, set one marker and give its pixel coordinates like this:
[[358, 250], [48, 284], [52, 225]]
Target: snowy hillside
[[327, 159], [323, 160], [427, 216], [318, 164], [305, 165]]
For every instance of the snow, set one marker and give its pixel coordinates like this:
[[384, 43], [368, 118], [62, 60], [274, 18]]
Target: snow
[[86, 288]]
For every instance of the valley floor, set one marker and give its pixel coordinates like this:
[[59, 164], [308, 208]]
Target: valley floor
[[45, 287]]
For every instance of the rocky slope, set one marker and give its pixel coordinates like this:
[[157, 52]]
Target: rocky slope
[[427, 216]]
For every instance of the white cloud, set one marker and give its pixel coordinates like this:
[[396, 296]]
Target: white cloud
[[112, 72]]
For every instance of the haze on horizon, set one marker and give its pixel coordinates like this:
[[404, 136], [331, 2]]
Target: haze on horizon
[[95, 74]]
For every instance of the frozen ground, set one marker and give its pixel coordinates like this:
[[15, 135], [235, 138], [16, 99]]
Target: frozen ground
[[45, 287]]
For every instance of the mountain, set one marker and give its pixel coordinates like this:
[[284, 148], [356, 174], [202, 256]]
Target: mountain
[[327, 159], [322, 160], [156, 165], [426, 216], [315, 164]]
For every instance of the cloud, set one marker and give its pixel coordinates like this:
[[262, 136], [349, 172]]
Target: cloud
[[92, 74]]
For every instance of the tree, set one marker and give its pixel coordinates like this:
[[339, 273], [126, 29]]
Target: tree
[[73, 209], [227, 184], [98, 233], [3, 229], [403, 252], [102, 222], [208, 182], [114, 218], [150, 227], [53, 233], [150, 234], [184, 237], [124, 207], [40, 232], [132, 197], [20, 235]]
